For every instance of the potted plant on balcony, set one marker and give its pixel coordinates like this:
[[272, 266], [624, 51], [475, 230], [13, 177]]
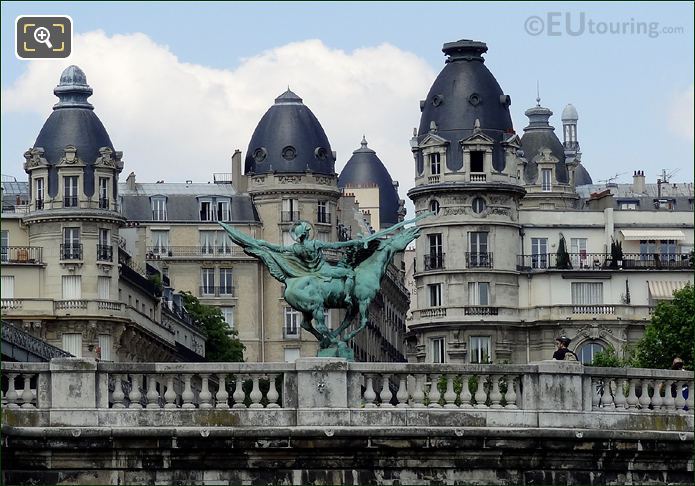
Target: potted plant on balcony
[[563, 258], [616, 254]]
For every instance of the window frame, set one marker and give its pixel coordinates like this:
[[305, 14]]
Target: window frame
[[480, 350], [438, 349], [547, 185], [159, 208]]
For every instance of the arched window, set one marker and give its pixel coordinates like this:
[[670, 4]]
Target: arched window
[[434, 206], [588, 350]]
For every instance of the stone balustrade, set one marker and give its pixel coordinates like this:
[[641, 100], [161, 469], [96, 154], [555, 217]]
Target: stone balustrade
[[328, 392]]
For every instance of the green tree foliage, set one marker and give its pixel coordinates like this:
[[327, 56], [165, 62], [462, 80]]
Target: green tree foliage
[[609, 359], [222, 344], [671, 333], [563, 258]]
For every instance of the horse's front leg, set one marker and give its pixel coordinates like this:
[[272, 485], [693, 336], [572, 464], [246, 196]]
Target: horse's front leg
[[306, 325], [347, 320], [364, 304]]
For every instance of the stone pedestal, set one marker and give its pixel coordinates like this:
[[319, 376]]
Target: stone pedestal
[[73, 391], [322, 391]]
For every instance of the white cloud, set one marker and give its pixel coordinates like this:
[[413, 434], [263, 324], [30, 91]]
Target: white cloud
[[680, 113], [178, 121]]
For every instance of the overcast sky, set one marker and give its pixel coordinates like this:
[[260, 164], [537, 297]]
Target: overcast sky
[[180, 86]]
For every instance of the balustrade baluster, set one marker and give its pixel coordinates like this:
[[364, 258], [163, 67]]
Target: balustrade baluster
[[669, 401], [596, 392], [644, 399], [689, 401], [187, 395], [118, 396], [135, 395], [450, 394], [369, 394], [222, 396], [239, 395], [620, 393], [11, 394], [632, 400], [480, 395], [402, 394], [152, 393], [510, 396], [385, 395], [495, 395], [27, 395], [419, 393], [170, 394], [680, 400], [657, 399], [273, 394], [434, 395], [255, 394], [205, 397], [607, 397], [465, 392]]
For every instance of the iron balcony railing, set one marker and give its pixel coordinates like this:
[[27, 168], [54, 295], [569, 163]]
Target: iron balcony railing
[[159, 252], [217, 291], [103, 203], [70, 201], [21, 254], [478, 259], [39, 204], [479, 310], [289, 216], [104, 253], [604, 261], [434, 261], [71, 251]]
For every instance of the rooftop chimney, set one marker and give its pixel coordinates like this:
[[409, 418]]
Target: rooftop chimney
[[130, 181], [638, 183]]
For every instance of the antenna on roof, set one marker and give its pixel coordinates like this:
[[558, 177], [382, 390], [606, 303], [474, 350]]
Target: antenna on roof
[[538, 93], [612, 180]]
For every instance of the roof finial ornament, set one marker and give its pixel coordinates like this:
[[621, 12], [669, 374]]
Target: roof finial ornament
[[364, 141], [433, 126], [538, 93], [476, 125]]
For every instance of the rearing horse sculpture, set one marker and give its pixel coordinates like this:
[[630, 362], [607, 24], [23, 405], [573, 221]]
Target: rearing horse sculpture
[[313, 285]]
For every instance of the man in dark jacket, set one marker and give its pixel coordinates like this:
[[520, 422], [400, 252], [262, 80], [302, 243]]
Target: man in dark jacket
[[562, 353]]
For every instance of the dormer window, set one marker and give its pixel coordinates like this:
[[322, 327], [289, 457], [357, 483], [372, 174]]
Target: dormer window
[[546, 180], [70, 192], [627, 205], [159, 208], [39, 193], [477, 161], [103, 193], [435, 163], [213, 209]]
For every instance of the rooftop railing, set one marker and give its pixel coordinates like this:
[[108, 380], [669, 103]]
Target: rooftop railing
[[603, 261]]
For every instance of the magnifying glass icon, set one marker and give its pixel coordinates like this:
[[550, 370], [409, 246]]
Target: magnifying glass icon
[[43, 36]]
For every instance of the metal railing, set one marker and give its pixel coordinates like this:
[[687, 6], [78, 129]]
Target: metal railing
[[70, 201], [159, 252], [21, 254], [323, 217], [103, 203], [480, 310], [434, 262], [604, 261], [289, 216], [478, 260], [71, 252], [104, 253], [217, 291]]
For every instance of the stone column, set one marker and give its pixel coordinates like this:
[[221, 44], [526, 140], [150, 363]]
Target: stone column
[[73, 391], [322, 391]]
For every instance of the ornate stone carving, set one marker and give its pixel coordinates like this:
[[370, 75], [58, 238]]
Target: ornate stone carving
[[34, 158], [70, 157], [455, 211], [109, 158], [259, 181], [501, 211], [290, 179], [324, 180]]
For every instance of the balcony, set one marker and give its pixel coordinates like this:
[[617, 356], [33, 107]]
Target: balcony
[[71, 252], [433, 312], [221, 291], [205, 251], [103, 203], [434, 262], [477, 177], [603, 261], [104, 253], [21, 255], [289, 216], [39, 204], [433, 179], [478, 260], [480, 310], [70, 202]]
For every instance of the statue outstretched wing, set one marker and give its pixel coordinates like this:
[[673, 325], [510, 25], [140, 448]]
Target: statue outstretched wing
[[281, 264]]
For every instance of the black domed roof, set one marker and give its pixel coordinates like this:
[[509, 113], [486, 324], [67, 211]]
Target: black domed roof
[[581, 176], [365, 169], [466, 91], [289, 139], [538, 135], [73, 122]]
